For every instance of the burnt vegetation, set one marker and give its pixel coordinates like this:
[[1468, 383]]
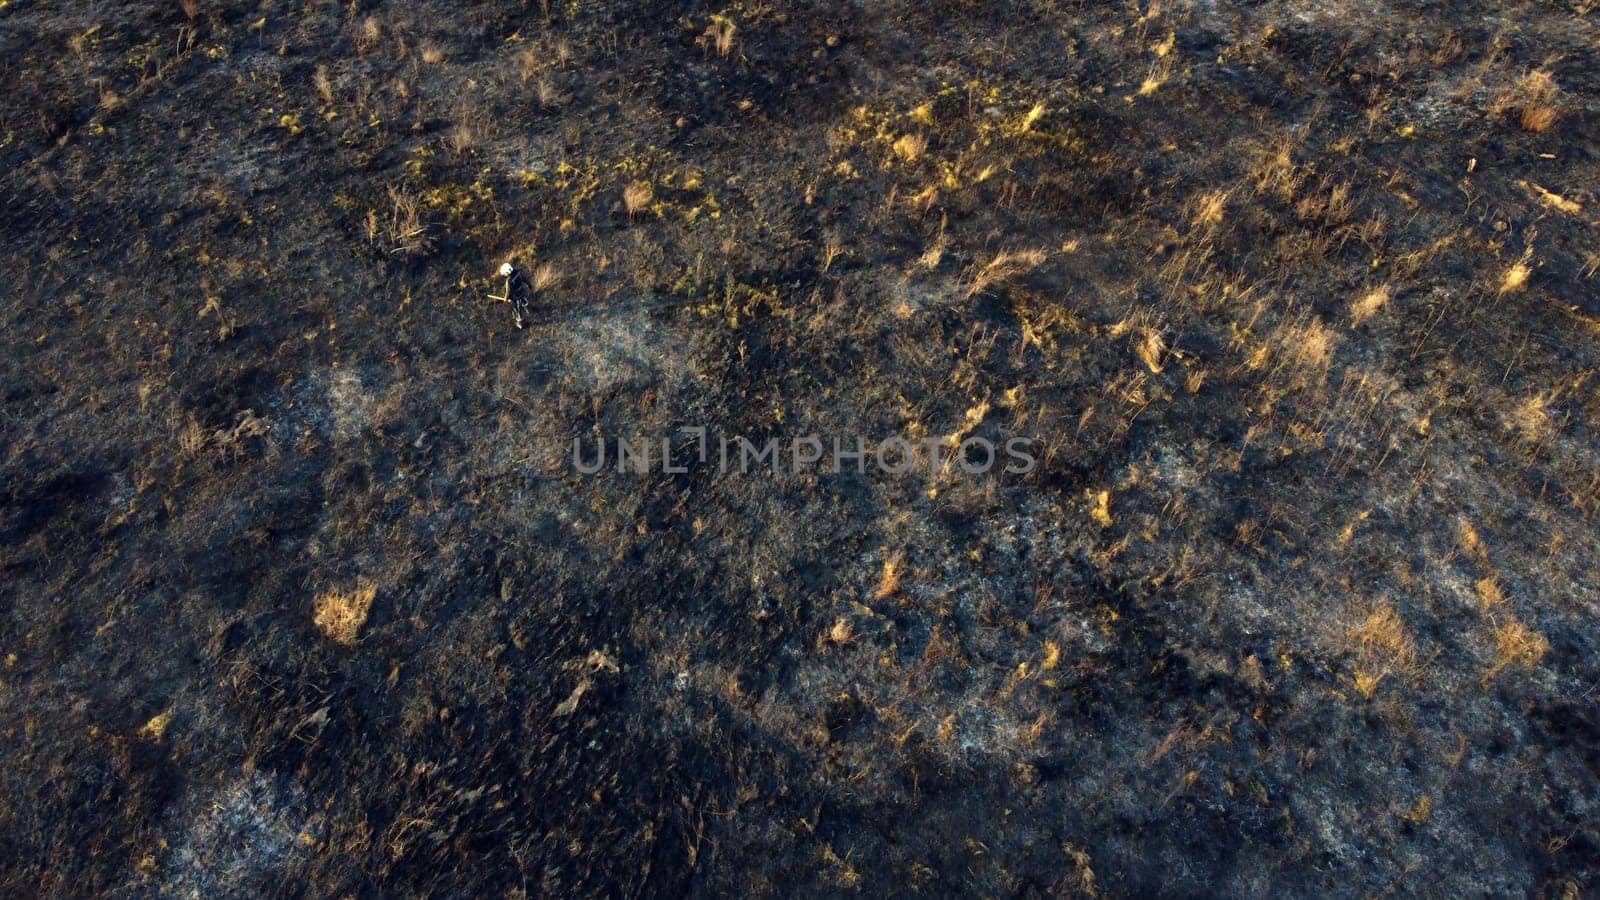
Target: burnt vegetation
[[301, 593]]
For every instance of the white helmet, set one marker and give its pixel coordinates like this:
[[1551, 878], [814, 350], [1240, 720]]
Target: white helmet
[[506, 269]]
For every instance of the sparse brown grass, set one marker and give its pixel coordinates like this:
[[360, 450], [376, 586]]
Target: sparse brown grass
[[1275, 171], [1331, 206], [549, 95], [1006, 265], [463, 137], [1471, 541], [324, 84], [545, 276], [368, 34], [1307, 349], [1150, 348], [401, 229], [340, 614]]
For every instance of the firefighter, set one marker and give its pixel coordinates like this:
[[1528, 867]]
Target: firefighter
[[519, 293]]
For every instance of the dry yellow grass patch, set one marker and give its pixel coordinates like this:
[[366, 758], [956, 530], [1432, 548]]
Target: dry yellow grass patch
[[1157, 77], [1490, 594], [1531, 419], [1210, 209], [368, 35], [637, 196], [910, 146], [1366, 682], [719, 35], [889, 581], [1367, 305], [1383, 629], [1052, 655], [971, 419], [156, 728], [1471, 541], [1275, 171], [1515, 278], [1515, 644], [1383, 648], [1151, 346], [340, 614], [841, 632], [1538, 118], [1551, 198], [1537, 93], [1533, 100], [1100, 508], [1422, 812]]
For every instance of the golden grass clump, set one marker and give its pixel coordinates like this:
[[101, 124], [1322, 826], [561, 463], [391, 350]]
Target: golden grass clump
[[1531, 419], [156, 728], [1275, 171], [1535, 97], [1515, 278], [1368, 304], [1210, 209], [1150, 348], [1515, 644], [1490, 594], [1471, 541], [910, 146], [719, 35], [637, 196], [340, 614], [1383, 647], [841, 632], [889, 582], [1100, 508], [1383, 629]]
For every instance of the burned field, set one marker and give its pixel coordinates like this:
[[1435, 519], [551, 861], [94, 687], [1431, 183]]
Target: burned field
[[302, 593]]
